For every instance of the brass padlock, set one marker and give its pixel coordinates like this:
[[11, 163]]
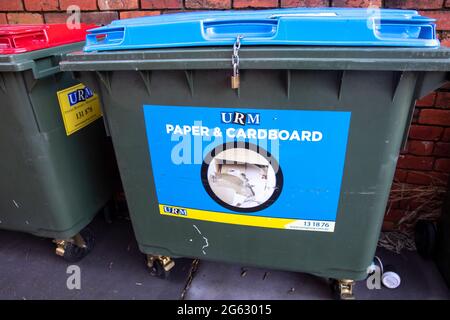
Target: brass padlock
[[235, 81]]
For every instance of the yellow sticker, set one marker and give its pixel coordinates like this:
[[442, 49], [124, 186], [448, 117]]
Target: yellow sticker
[[80, 106]]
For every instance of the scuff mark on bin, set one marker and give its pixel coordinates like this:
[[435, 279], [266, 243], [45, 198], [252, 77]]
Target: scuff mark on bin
[[206, 245], [16, 204], [366, 193]]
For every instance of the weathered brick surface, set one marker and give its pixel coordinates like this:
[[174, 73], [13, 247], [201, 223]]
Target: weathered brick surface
[[11, 5], [443, 100], [427, 101], [419, 132], [435, 117], [55, 17], [415, 162], [161, 4], [208, 4], [101, 18], [137, 14], [443, 18], [41, 5], [118, 4], [414, 4], [303, 3], [255, 3], [25, 18], [83, 4], [420, 148], [442, 149], [442, 165], [357, 3]]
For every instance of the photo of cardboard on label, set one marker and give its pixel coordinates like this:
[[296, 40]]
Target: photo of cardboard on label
[[242, 178]]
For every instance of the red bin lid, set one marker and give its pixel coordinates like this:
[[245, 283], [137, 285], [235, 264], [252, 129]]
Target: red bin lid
[[24, 38]]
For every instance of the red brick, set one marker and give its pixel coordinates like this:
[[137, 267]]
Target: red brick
[[409, 204], [255, 3], [443, 18], [208, 4], [304, 3], [420, 148], [137, 14], [443, 100], [425, 132], [84, 5], [435, 116], [99, 18], [442, 149], [442, 165], [416, 115], [400, 175], [41, 5], [11, 5], [394, 215], [427, 101], [446, 135], [393, 205], [3, 19], [415, 162], [25, 18], [389, 226], [118, 4], [161, 4], [55, 17], [445, 42], [357, 3], [427, 178], [444, 36], [414, 4]]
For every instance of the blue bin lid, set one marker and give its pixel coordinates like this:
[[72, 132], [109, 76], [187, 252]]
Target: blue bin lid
[[298, 26]]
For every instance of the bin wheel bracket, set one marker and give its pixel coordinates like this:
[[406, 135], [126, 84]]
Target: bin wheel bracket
[[160, 266], [76, 247], [344, 289]]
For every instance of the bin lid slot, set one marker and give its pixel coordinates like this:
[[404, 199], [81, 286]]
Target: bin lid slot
[[298, 26], [24, 38]]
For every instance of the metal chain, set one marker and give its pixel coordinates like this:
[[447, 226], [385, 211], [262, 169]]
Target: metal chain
[[235, 56]]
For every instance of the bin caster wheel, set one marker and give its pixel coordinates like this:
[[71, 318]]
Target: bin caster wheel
[[77, 247], [343, 289], [160, 266], [425, 235]]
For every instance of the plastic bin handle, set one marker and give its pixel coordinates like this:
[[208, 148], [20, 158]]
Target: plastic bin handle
[[226, 29]]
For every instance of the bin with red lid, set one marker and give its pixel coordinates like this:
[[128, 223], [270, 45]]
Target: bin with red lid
[[55, 174]]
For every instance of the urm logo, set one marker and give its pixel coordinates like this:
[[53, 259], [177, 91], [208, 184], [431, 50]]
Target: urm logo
[[80, 95], [240, 118], [177, 211]]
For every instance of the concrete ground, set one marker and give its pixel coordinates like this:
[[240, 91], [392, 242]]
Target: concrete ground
[[116, 270]]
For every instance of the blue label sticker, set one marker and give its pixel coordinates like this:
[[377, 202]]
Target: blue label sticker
[[256, 167]]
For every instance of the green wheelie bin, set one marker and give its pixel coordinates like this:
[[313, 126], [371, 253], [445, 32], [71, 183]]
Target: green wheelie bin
[[54, 167], [266, 138]]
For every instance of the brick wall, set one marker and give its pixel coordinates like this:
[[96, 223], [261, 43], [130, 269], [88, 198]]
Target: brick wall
[[426, 161]]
